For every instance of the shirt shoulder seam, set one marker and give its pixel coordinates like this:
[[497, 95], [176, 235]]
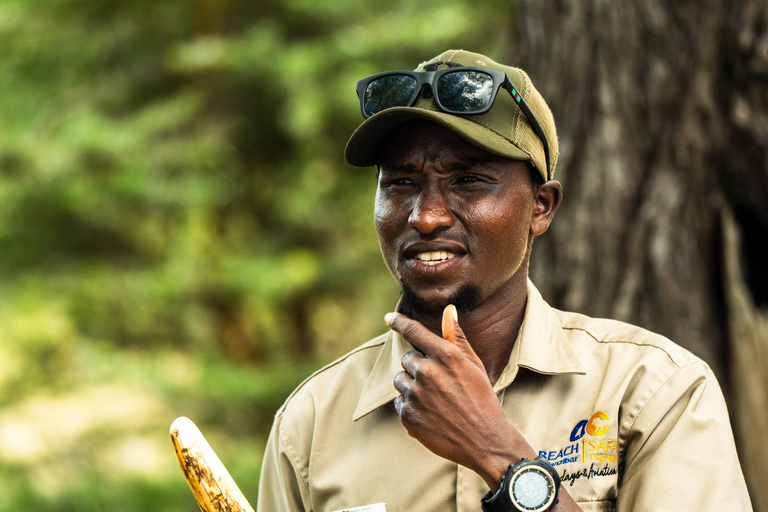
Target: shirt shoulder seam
[[631, 342], [374, 343]]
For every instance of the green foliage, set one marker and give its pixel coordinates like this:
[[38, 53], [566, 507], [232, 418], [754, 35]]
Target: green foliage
[[178, 228]]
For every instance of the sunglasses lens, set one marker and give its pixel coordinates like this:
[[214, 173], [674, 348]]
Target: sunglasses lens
[[387, 92], [465, 91]]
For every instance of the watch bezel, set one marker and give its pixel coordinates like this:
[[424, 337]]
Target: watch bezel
[[524, 467], [501, 500]]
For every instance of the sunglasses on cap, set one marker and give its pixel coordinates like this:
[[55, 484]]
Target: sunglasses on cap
[[457, 90]]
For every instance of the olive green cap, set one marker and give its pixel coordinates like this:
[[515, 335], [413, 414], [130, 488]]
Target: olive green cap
[[503, 130]]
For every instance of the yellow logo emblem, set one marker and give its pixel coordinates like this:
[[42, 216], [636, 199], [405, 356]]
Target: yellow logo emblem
[[593, 429]]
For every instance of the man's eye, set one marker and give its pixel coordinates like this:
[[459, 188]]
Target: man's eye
[[468, 178], [398, 182]]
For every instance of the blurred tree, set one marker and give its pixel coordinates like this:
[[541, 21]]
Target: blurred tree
[[174, 203], [174, 172], [663, 122]]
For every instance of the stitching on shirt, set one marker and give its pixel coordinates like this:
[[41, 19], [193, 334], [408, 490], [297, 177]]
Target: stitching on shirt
[[624, 433], [293, 454], [637, 343], [290, 449], [655, 392], [337, 362]]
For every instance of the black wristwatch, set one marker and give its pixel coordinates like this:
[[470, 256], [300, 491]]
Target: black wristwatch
[[528, 486]]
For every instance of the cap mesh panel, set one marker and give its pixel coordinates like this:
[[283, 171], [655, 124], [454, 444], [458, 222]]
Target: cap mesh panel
[[527, 140]]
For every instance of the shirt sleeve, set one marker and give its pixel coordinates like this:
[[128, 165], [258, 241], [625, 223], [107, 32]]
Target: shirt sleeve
[[282, 486], [680, 453]]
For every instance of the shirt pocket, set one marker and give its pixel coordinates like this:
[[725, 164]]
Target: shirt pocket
[[598, 506]]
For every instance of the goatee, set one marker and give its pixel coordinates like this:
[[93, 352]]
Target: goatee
[[465, 299]]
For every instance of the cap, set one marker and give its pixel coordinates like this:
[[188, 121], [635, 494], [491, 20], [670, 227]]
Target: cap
[[504, 130]]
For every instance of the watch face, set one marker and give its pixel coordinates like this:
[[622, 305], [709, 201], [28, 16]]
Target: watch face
[[532, 489]]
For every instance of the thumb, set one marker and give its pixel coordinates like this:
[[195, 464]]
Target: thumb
[[452, 332], [450, 323]]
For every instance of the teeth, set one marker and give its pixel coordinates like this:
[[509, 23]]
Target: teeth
[[433, 258]]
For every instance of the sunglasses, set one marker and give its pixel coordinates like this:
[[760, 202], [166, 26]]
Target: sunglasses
[[457, 90]]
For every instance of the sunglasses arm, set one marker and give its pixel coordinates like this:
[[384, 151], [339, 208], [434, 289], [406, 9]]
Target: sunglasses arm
[[531, 120]]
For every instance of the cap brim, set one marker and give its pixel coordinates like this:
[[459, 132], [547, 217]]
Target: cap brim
[[365, 145]]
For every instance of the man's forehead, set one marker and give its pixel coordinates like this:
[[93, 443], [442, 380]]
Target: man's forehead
[[422, 139]]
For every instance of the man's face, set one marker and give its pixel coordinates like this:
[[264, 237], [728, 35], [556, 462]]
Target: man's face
[[453, 220]]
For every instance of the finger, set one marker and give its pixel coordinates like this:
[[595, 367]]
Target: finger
[[402, 382], [453, 332], [399, 404], [411, 362], [413, 331], [399, 407]]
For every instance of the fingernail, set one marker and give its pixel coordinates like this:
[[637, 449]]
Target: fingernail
[[454, 313], [388, 317]]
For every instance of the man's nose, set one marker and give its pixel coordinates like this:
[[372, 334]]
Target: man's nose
[[430, 212]]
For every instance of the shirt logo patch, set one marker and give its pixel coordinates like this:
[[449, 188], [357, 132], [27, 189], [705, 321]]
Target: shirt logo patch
[[581, 449], [588, 473], [592, 426], [568, 454]]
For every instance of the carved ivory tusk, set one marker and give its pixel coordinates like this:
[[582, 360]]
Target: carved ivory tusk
[[213, 487]]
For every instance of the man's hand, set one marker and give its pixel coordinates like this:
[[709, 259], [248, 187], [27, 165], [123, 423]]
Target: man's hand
[[447, 402]]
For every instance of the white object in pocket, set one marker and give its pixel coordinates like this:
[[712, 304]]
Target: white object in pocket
[[376, 507]]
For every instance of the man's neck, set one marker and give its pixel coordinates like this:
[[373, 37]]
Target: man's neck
[[491, 328]]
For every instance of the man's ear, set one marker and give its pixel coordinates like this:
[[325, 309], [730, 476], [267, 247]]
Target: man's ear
[[546, 199]]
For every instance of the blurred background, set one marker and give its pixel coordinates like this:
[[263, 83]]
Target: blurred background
[[180, 235]]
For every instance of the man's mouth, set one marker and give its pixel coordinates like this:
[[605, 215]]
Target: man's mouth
[[434, 257]]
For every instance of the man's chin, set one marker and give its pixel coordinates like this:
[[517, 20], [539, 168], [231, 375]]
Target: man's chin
[[412, 305]]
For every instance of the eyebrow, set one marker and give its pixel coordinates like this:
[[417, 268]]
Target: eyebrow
[[468, 163], [461, 165]]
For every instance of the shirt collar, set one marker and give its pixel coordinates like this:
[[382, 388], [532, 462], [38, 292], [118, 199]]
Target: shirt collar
[[541, 346]]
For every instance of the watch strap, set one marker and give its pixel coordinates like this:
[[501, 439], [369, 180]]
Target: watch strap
[[497, 501]]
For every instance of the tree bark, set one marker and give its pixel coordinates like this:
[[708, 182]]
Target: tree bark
[[748, 331], [662, 115]]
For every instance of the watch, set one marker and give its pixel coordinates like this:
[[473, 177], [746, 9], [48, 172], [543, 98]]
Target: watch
[[528, 486]]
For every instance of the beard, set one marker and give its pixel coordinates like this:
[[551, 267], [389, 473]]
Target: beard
[[465, 299]]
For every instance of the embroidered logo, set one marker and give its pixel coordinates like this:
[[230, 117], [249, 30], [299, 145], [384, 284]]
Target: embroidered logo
[[588, 473], [585, 450], [590, 426]]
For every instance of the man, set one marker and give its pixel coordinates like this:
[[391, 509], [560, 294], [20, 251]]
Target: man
[[482, 396]]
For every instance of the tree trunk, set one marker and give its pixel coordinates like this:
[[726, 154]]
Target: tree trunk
[[662, 114], [748, 331]]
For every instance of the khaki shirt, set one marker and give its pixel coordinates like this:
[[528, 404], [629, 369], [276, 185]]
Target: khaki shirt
[[629, 420]]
